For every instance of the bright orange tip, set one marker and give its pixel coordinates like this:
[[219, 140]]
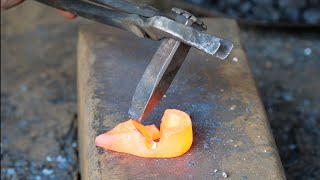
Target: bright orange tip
[[174, 138], [67, 14]]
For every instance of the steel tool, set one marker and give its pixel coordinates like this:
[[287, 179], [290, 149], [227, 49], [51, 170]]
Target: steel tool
[[178, 30]]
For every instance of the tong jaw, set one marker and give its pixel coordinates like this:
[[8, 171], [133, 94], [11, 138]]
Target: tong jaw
[[159, 27], [191, 19]]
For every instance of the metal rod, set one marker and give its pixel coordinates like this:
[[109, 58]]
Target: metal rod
[[99, 14], [129, 7]]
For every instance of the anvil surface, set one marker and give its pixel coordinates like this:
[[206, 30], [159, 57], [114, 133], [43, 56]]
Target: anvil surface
[[231, 130]]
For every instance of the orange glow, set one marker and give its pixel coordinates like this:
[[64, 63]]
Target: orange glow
[[175, 137]]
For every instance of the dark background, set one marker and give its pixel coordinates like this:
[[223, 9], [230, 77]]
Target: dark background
[[38, 83], [266, 11]]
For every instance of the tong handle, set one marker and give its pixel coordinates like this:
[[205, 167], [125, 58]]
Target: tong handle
[[96, 13], [129, 7]]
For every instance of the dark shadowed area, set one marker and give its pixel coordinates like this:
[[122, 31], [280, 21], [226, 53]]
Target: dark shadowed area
[[38, 94], [266, 11]]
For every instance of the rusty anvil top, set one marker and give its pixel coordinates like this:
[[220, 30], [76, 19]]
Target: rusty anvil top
[[231, 131]]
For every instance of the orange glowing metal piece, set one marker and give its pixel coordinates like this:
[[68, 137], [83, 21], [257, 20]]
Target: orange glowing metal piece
[[175, 137], [150, 132]]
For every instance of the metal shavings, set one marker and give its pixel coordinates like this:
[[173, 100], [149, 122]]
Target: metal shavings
[[233, 107], [235, 59], [224, 174]]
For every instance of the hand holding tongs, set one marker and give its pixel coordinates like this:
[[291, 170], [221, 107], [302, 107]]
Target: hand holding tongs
[[144, 21], [178, 29]]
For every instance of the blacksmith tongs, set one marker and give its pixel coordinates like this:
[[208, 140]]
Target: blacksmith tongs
[[178, 30]]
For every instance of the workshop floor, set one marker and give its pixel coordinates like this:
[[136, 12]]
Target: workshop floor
[[39, 105]]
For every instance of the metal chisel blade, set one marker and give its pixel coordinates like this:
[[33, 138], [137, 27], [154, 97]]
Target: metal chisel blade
[[168, 59], [157, 77]]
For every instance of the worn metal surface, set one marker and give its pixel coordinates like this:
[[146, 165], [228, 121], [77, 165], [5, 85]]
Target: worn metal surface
[[231, 131]]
